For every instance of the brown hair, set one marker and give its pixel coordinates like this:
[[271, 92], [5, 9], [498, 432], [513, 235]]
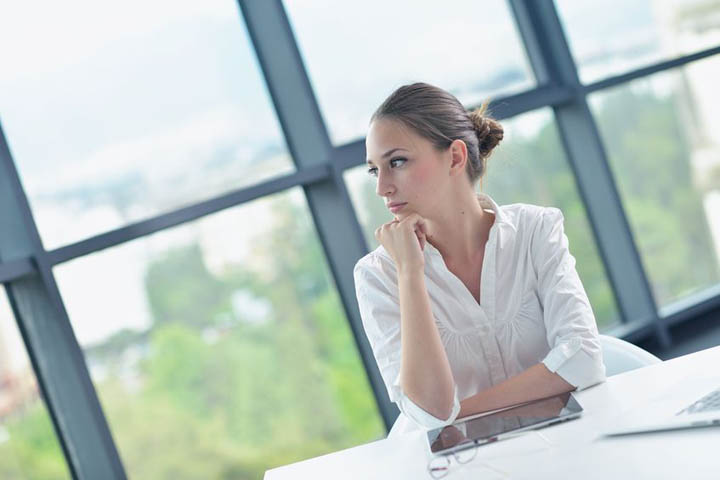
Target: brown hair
[[438, 116]]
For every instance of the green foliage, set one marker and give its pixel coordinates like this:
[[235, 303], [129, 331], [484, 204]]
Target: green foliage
[[31, 449], [345, 372], [649, 153]]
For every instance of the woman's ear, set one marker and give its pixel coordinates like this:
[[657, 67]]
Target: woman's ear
[[458, 157]]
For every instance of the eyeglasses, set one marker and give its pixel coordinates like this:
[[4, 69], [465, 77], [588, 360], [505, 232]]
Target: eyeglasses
[[439, 466]]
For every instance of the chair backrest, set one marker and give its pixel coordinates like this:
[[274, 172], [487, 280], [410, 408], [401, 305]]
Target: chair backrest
[[621, 356]]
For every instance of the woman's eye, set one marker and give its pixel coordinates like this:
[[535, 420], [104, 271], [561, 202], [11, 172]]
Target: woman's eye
[[396, 162]]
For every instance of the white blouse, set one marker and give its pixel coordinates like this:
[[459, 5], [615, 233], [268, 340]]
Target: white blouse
[[533, 308]]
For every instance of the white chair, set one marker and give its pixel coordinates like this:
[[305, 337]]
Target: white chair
[[621, 356]]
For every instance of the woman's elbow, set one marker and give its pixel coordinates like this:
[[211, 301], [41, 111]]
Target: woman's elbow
[[429, 417]]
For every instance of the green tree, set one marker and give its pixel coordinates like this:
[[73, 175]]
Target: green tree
[[650, 156], [180, 289]]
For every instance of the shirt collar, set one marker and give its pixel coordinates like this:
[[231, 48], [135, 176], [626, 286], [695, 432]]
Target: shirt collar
[[487, 202]]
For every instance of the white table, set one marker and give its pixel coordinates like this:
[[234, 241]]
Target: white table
[[577, 450]]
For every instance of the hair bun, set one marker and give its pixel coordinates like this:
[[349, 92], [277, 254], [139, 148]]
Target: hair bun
[[488, 130]]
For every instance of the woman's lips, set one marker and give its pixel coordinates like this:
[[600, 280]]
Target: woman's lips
[[396, 207]]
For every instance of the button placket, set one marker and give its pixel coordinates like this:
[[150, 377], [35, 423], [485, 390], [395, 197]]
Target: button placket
[[487, 298]]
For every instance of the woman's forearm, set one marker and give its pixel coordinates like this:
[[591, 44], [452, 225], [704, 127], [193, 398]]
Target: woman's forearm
[[534, 383], [425, 373]]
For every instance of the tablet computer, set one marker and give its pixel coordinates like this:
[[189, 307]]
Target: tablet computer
[[486, 428]]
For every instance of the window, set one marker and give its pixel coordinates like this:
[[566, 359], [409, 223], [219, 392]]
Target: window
[[661, 135], [119, 111], [227, 335], [613, 36], [28, 446], [528, 167], [358, 52], [218, 344]]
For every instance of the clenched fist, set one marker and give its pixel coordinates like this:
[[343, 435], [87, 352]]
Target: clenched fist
[[405, 241]]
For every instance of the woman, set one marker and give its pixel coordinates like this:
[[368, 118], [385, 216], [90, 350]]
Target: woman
[[468, 306]]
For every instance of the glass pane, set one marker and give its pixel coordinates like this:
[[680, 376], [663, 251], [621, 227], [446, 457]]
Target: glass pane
[[119, 111], [613, 36], [356, 53], [29, 448], [230, 341], [529, 166], [662, 136]]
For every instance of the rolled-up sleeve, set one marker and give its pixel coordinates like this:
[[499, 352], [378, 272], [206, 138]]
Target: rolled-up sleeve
[[380, 312], [572, 334]]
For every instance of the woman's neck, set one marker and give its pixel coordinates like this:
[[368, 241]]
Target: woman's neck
[[461, 231]]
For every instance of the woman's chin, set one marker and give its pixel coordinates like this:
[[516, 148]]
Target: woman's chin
[[405, 212], [400, 215]]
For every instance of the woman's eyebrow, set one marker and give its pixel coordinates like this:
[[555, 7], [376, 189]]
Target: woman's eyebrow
[[388, 153]]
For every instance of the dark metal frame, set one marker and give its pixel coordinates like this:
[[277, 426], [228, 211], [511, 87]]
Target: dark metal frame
[[26, 267], [55, 355]]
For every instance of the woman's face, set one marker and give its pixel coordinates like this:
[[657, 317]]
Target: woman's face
[[411, 174]]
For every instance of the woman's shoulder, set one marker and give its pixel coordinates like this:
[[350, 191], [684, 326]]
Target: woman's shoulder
[[376, 262], [376, 272], [526, 216]]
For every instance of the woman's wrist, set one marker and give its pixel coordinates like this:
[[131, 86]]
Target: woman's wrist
[[410, 271]]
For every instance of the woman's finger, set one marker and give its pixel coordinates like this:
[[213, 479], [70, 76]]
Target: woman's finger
[[422, 225], [421, 238]]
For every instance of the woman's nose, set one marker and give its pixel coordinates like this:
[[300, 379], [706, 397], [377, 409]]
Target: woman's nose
[[384, 188]]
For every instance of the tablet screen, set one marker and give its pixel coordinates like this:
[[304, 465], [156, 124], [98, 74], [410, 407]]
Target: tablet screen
[[487, 428]]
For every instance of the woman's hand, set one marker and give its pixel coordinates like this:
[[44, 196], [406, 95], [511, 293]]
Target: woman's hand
[[405, 241]]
